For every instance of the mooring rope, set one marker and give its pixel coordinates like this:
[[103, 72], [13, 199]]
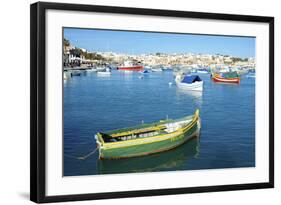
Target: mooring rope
[[82, 157]]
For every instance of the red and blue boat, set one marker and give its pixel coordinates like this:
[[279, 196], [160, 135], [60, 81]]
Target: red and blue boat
[[130, 67]]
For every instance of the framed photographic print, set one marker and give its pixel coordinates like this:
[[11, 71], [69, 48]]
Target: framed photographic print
[[129, 102]]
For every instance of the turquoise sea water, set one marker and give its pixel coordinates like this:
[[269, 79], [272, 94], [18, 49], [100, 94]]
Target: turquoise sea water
[[93, 103]]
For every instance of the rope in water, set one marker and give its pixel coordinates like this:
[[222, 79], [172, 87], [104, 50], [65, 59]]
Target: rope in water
[[82, 157]]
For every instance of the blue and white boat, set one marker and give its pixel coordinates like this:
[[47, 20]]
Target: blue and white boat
[[251, 74], [189, 82], [144, 72]]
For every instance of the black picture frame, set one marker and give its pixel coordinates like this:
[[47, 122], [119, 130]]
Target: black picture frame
[[38, 100]]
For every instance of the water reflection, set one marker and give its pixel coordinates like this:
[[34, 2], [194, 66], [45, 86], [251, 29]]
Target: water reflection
[[193, 93], [195, 96], [127, 75], [101, 75], [93, 103], [171, 160]]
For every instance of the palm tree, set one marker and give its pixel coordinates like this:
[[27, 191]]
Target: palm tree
[[66, 42]]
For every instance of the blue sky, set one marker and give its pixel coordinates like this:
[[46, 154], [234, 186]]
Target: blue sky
[[146, 42]]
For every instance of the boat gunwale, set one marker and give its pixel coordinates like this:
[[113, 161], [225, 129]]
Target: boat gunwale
[[153, 139], [143, 126], [221, 78]]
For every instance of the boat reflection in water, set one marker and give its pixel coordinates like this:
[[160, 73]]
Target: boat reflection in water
[[175, 159], [128, 75], [192, 93], [195, 96]]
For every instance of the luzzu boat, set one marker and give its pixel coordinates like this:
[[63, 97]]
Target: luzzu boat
[[147, 138], [231, 77]]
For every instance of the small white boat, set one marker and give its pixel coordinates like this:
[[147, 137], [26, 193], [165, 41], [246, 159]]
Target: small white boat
[[189, 82], [92, 70], [64, 76], [157, 69], [105, 72], [100, 68]]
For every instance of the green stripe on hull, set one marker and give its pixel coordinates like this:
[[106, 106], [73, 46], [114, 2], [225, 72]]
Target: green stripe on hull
[[145, 149]]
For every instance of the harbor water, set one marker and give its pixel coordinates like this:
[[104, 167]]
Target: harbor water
[[94, 103]]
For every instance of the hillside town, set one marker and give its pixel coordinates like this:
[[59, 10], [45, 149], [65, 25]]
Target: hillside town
[[80, 57]]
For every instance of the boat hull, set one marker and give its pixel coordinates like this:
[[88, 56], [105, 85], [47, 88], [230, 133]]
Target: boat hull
[[151, 145], [197, 86], [226, 80], [150, 148], [163, 161], [130, 68]]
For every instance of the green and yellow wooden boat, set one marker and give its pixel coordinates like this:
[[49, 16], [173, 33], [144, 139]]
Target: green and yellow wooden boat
[[147, 139]]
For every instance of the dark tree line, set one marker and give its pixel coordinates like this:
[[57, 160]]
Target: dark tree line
[[79, 52]]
